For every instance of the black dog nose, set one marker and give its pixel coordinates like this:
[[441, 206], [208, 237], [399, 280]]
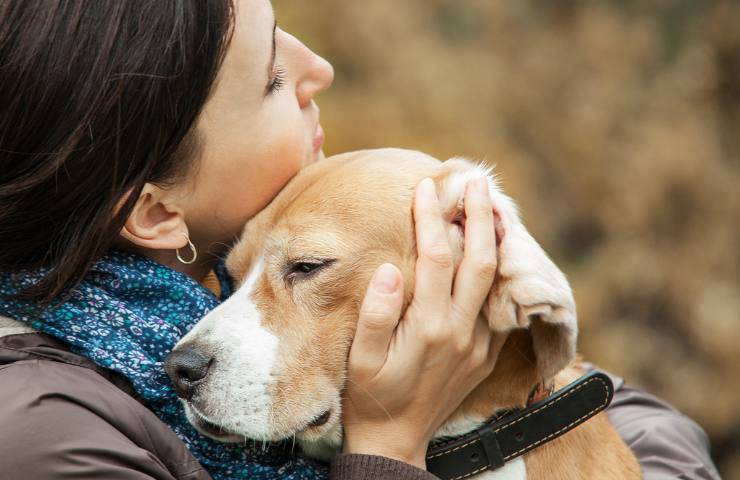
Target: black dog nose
[[187, 367]]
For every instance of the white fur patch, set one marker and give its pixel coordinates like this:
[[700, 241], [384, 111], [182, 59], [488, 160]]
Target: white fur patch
[[513, 470], [254, 276], [459, 426], [245, 355]]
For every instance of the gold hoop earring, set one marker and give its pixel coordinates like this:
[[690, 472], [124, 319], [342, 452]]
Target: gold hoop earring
[[192, 249]]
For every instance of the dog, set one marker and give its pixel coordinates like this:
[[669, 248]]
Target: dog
[[269, 363]]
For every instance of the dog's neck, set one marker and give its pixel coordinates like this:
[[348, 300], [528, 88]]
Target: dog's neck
[[509, 387]]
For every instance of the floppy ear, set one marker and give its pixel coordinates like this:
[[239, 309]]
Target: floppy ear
[[529, 292]]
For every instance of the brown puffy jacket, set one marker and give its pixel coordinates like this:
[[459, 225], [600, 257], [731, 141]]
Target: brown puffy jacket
[[62, 416]]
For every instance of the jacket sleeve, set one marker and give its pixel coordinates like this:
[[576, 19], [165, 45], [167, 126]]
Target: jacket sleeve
[[366, 467], [667, 444]]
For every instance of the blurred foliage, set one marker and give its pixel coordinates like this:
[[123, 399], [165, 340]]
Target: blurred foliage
[[616, 126]]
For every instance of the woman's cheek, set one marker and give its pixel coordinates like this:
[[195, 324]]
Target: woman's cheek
[[284, 156], [274, 173], [250, 187]]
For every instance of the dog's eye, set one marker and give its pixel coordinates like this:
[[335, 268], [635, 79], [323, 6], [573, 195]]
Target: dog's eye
[[304, 269]]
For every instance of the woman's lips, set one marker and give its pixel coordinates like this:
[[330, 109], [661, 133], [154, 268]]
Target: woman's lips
[[318, 139]]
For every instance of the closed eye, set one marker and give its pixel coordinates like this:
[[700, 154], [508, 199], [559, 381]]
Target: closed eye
[[303, 269]]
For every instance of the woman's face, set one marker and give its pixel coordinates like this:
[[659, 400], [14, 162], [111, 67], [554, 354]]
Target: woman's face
[[258, 129]]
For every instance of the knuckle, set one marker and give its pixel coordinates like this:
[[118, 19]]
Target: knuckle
[[436, 336], [376, 319], [465, 311], [439, 255], [486, 266], [464, 347]]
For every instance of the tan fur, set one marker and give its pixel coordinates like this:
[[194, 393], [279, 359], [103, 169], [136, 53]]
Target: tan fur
[[356, 209]]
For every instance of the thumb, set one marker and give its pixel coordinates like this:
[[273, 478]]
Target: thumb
[[379, 315]]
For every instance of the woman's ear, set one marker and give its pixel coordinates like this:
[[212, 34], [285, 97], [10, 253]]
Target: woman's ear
[[156, 222]]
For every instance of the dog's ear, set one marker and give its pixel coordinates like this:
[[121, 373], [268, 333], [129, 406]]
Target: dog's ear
[[529, 292]]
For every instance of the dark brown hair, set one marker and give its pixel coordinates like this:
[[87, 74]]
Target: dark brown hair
[[96, 99]]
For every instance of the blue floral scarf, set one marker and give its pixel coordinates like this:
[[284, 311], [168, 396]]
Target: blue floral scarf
[[126, 316]]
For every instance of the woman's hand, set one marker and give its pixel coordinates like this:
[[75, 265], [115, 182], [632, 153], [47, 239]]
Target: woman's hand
[[406, 377]]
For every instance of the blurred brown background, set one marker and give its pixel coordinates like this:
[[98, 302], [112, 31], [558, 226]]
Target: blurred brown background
[[614, 124]]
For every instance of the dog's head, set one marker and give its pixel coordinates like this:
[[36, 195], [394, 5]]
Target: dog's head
[[270, 361]]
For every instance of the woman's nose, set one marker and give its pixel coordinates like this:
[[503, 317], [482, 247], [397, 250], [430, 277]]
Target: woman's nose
[[187, 367], [318, 76]]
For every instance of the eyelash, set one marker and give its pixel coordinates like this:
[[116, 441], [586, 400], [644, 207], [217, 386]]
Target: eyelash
[[277, 81]]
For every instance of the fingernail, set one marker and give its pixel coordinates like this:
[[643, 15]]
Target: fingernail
[[385, 279]]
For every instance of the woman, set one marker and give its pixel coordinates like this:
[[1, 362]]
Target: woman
[[131, 130], [146, 127]]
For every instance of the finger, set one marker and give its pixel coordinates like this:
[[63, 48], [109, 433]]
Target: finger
[[487, 345], [483, 340], [478, 267], [378, 318], [486, 354], [434, 264], [496, 345]]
